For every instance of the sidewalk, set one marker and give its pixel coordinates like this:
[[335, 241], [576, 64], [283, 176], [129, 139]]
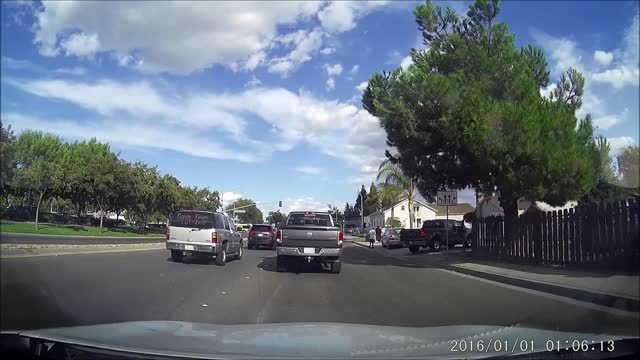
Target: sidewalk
[[609, 289]]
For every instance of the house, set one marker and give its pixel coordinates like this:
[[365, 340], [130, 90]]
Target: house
[[490, 206], [421, 210], [456, 212]]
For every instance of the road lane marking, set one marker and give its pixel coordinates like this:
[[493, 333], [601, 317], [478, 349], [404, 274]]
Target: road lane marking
[[17, 256], [566, 300], [267, 304]]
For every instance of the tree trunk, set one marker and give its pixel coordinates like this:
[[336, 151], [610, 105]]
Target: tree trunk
[[411, 219], [101, 218], [38, 208], [79, 219], [117, 216], [509, 204]]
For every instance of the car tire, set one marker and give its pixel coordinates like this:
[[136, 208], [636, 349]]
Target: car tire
[[281, 264], [336, 267], [240, 251], [273, 247], [436, 245], [176, 255], [467, 243], [221, 258], [414, 249]]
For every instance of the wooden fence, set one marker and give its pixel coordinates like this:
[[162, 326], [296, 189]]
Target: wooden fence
[[599, 235]]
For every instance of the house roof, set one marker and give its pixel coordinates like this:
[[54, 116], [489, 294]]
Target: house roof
[[418, 200], [460, 209]]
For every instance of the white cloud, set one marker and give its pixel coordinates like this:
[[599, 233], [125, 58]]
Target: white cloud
[[19, 64], [331, 84], [240, 34], [406, 62], [327, 51], [362, 86], [563, 52], [618, 77], [305, 44], [618, 143], [304, 203], [340, 16], [546, 92], [333, 70], [127, 134], [337, 129], [355, 69], [81, 45], [603, 58], [228, 197], [77, 70], [253, 82], [309, 170], [608, 121]]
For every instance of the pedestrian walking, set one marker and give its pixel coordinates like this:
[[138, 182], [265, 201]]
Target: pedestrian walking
[[378, 234], [372, 238]]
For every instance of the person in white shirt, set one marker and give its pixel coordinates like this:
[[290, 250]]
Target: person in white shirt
[[372, 237]]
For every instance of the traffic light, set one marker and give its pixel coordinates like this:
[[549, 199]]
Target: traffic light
[[280, 203]]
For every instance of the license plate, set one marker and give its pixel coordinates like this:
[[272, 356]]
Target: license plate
[[260, 235], [410, 242], [309, 250], [189, 247]]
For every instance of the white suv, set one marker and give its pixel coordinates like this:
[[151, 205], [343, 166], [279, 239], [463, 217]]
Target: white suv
[[203, 232]]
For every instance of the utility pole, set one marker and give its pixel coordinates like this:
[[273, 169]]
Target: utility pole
[[362, 209]]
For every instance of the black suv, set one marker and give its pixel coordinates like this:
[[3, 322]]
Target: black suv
[[262, 235]]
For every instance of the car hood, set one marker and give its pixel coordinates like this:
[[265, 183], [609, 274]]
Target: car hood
[[304, 340]]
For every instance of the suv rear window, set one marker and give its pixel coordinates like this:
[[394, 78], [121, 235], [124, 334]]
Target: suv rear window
[[195, 219], [261, 228], [309, 219]]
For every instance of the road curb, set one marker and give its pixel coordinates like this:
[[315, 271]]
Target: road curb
[[17, 256], [81, 236], [608, 300]]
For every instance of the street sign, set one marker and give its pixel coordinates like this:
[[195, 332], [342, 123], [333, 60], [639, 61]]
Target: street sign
[[447, 198], [239, 211]]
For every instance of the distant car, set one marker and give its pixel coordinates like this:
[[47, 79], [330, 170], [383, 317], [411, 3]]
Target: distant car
[[203, 233], [262, 236], [391, 238]]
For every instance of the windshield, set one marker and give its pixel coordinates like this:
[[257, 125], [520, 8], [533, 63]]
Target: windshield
[[309, 219], [195, 219], [407, 166]]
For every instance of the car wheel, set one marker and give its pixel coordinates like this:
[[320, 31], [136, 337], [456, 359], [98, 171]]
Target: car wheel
[[281, 265], [467, 243], [273, 247], [336, 267], [240, 251], [221, 258], [414, 249], [436, 245], [176, 255]]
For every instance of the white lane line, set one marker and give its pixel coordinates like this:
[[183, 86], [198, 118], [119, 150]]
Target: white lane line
[[267, 304], [566, 300]]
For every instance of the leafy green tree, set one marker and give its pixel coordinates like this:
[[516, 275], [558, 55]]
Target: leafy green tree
[[361, 199], [373, 200], [166, 192], [607, 185], [397, 184], [78, 183], [468, 113], [39, 169], [277, 217], [252, 214], [393, 222], [122, 188], [390, 194], [7, 160], [143, 204], [207, 200], [101, 170], [629, 166]]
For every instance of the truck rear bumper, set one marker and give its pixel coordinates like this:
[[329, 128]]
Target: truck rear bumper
[[193, 247], [296, 251]]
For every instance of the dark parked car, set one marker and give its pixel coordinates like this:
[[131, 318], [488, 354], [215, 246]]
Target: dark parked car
[[432, 235], [263, 235]]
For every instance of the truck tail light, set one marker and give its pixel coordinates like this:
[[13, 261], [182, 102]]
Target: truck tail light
[[251, 233], [168, 233], [214, 237], [340, 237], [422, 233], [279, 236]]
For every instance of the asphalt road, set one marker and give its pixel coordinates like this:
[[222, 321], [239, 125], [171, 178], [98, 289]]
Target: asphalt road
[[75, 240], [373, 288]]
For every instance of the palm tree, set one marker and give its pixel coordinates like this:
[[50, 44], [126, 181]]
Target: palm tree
[[396, 185]]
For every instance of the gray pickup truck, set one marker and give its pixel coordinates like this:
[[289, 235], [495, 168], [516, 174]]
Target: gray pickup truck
[[309, 236]]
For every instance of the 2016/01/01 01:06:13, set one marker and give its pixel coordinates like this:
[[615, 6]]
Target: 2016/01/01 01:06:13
[[580, 345]]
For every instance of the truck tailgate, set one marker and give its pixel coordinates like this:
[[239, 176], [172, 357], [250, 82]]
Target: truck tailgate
[[309, 236]]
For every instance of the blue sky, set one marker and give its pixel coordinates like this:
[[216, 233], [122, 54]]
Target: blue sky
[[262, 99]]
